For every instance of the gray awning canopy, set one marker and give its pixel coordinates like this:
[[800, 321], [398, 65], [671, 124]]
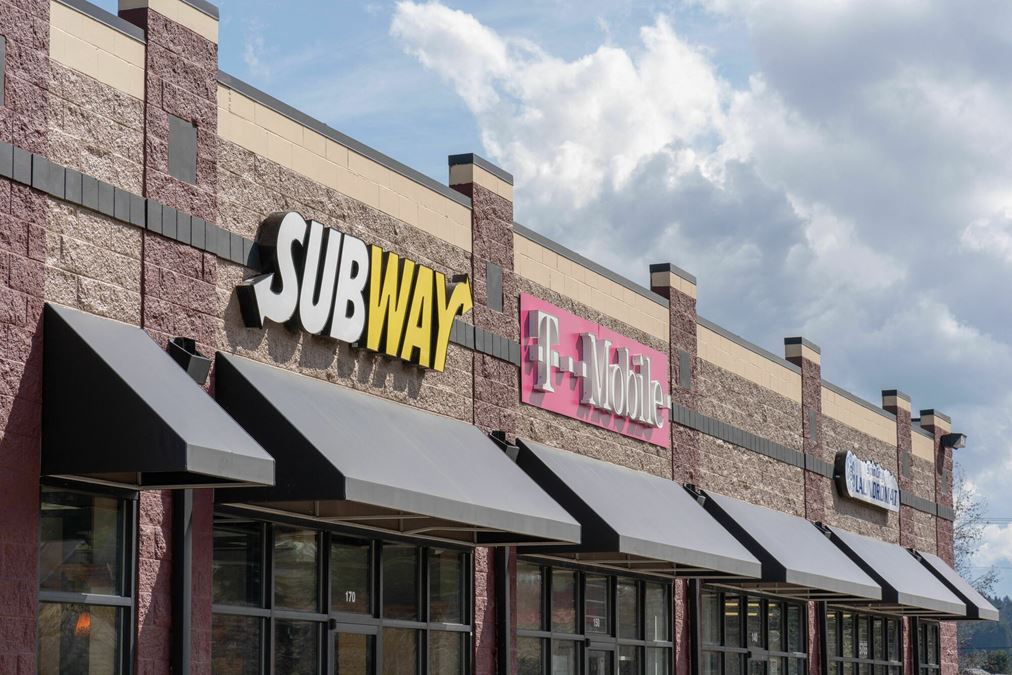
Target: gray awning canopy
[[633, 520], [908, 587], [117, 408], [360, 460], [797, 558], [977, 606]]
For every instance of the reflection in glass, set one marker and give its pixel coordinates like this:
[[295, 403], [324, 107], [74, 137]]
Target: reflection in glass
[[893, 640], [530, 656], [732, 621], [657, 661], [657, 612], [732, 664], [529, 585], [795, 629], [78, 639], [598, 662], [296, 647], [711, 618], [628, 611], [628, 660], [400, 651], [564, 654], [563, 601], [446, 587], [878, 641], [862, 638], [81, 543], [296, 568], [352, 654], [237, 570], [794, 667], [774, 620], [847, 627], [754, 622], [235, 645], [711, 663], [596, 604], [400, 582], [832, 635], [446, 652], [775, 666], [350, 582]]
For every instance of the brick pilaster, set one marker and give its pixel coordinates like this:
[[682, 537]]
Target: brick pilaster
[[898, 403], [496, 382], [179, 296], [939, 424], [807, 356], [679, 287], [24, 24]]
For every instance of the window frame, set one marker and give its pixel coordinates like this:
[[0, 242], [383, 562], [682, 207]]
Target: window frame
[[746, 651], [125, 603], [332, 622], [586, 642], [835, 664], [923, 665]]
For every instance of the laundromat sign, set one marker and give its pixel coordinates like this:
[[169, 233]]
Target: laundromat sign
[[337, 286], [583, 370], [866, 481]]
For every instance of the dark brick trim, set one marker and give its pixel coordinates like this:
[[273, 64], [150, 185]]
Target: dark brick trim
[[764, 446], [897, 393], [481, 162], [858, 400], [111, 20], [573, 256], [937, 413], [723, 332], [918, 429], [333, 134]]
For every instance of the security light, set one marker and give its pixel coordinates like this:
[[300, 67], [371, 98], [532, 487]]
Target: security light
[[954, 441]]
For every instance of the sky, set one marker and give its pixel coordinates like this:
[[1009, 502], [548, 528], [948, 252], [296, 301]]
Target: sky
[[836, 169]]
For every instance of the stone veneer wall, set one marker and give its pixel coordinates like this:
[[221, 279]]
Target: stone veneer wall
[[729, 470]]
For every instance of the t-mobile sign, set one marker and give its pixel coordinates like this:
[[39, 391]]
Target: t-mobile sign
[[583, 370]]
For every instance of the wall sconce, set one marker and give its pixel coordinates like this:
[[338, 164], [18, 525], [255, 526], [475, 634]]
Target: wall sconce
[[954, 441], [196, 365]]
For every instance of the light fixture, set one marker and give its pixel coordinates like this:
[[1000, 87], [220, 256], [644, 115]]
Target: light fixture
[[954, 441], [184, 351]]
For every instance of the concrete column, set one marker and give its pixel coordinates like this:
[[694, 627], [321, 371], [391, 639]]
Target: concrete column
[[178, 295], [496, 382], [898, 403], [940, 424], [24, 122]]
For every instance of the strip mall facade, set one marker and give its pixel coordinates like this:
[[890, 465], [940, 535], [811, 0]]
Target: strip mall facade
[[274, 402]]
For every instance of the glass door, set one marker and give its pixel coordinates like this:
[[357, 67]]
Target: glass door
[[600, 661]]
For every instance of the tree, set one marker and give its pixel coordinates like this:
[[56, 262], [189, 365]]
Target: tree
[[996, 662], [968, 531]]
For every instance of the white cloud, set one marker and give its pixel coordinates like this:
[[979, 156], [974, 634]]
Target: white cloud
[[854, 187]]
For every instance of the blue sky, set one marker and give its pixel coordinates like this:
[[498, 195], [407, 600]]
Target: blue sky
[[839, 170]]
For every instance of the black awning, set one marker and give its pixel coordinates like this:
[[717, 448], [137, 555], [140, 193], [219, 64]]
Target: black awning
[[357, 459], [117, 408], [634, 520], [908, 587], [977, 606], [797, 558]]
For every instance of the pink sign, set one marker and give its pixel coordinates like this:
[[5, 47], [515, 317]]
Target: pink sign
[[583, 370]]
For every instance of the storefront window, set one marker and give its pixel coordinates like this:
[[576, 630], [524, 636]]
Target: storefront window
[[85, 568], [928, 648], [626, 623], [751, 633], [862, 644], [323, 616]]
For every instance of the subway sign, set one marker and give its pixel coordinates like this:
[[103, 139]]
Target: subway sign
[[866, 481], [335, 285]]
